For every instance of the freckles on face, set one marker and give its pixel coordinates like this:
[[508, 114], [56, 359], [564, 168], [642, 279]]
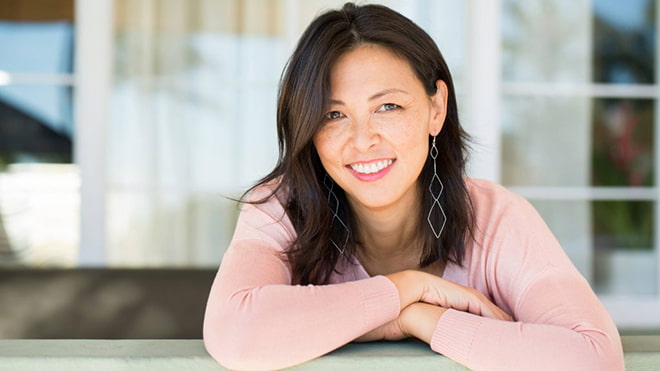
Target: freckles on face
[[325, 143], [374, 139]]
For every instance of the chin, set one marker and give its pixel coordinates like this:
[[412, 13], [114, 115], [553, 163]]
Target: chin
[[374, 203]]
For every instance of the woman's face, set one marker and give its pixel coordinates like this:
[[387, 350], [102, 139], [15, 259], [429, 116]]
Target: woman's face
[[374, 140]]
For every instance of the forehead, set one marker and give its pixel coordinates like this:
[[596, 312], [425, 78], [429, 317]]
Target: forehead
[[372, 65]]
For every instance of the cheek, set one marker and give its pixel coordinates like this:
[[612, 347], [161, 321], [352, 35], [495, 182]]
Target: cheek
[[326, 147], [321, 144], [330, 139], [409, 135], [411, 139]]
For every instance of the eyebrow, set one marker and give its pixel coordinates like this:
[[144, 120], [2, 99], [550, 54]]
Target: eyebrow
[[375, 96], [387, 91]]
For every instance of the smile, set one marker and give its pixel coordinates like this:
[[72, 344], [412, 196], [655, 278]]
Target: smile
[[371, 168]]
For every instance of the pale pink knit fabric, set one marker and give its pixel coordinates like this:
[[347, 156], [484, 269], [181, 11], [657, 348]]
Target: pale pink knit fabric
[[256, 319]]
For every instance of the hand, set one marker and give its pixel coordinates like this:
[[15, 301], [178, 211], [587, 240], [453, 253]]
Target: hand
[[452, 295], [420, 320], [416, 286], [392, 330]]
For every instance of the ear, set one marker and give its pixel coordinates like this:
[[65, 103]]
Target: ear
[[438, 108]]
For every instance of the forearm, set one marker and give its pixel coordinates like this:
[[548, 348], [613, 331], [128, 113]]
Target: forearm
[[479, 343], [287, 325]]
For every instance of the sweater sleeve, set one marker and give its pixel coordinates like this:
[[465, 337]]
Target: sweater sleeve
[[560, 323], [255, 317]]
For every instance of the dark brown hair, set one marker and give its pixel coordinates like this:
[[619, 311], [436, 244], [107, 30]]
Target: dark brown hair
[[303, 98]]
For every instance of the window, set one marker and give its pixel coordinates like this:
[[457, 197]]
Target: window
[[578, 132], [38, 181]]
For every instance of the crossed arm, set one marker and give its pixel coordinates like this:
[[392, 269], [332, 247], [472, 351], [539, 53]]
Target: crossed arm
[[256, 319], [424, 298]]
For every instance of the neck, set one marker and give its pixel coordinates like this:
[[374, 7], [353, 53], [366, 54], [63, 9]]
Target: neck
[[388, 236]]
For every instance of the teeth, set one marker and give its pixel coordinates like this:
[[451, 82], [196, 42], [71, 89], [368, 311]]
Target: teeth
[[371, 168]]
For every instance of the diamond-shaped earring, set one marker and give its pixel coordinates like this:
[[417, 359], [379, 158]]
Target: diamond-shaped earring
[[436, 199], [333, 202]]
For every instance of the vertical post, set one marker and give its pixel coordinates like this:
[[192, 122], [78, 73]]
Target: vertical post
[[93, 71], [656, 159], [483, 82]]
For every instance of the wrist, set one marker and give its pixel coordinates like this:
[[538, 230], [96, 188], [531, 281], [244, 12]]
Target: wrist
[[408, 285], [420, 320]]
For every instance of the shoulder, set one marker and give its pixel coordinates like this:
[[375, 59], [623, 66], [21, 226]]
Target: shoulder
[[266, 192], [263, 215], [491, 199], [513, 248], [509, 232], [500, 213]]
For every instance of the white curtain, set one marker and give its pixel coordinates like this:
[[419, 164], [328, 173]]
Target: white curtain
[[192, 121]]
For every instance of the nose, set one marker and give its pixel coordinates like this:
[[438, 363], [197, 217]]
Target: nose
[[364, 134]]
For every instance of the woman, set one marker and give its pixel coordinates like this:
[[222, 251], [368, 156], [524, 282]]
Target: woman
[[367, 229]]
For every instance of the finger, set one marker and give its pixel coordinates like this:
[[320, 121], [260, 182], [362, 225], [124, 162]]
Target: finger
[[453, 295], [491, 310], [480, 304], [496, 312]]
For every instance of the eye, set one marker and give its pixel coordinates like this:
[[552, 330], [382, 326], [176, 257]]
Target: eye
[[333, 115], [388, 107]]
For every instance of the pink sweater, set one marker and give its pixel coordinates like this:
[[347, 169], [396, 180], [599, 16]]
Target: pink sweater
[[257, 319]]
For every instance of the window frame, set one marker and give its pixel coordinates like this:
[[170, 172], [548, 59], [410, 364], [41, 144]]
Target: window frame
[[93, 76]]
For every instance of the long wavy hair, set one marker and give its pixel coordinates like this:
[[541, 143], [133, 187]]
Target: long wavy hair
[[303, 99]]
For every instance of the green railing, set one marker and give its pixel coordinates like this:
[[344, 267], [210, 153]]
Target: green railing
[[641, 353]]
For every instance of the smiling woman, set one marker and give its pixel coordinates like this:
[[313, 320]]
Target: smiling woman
[[380, 125], [367, 228]]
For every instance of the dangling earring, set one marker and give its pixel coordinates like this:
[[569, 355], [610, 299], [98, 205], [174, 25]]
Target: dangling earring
[[436, 199], [333, 201]]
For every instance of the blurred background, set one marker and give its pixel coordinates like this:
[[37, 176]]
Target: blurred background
[[125, 124]]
